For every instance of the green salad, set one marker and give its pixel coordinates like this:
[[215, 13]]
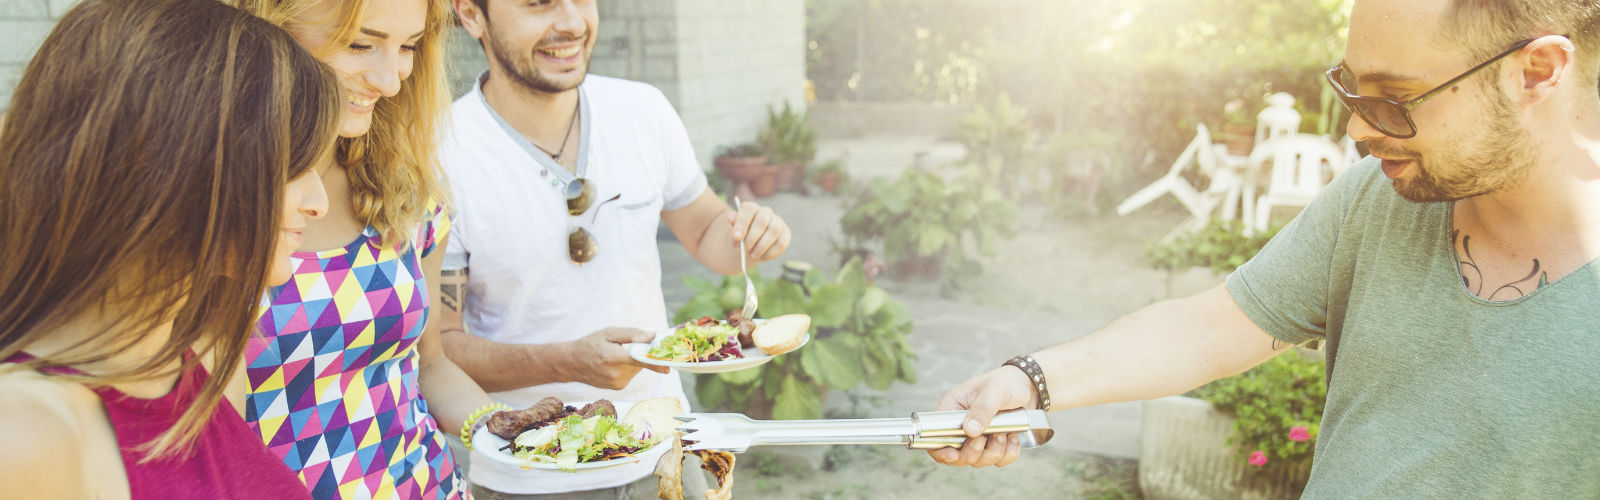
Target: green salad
[[574, 440], [700, 341]]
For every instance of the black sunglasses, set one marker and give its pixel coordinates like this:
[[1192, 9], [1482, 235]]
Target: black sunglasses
[[581, 246], [1390, 117]]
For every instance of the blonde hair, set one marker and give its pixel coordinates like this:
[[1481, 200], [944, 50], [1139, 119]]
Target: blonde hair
[[393, 168], [144, 161]]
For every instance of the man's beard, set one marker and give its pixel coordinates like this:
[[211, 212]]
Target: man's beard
[[1497, 159], [525, 73]]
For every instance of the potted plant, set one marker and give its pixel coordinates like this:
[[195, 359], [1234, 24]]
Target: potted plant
[[1247, 436], [790, 143], [1238, 131], [767, 184], [743, 165], [829, 174], [858, 337], [1220, 246], [1000, 138], [926, 223]]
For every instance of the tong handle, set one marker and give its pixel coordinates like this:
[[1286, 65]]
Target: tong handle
[[934, 443], [931, 424]]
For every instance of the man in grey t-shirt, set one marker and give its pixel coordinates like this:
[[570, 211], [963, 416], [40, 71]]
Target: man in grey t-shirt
[[1454, 271]]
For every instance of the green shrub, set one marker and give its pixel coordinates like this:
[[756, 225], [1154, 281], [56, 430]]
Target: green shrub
[[858, 337], [1220, 245], [1278, 405], [925, 223]]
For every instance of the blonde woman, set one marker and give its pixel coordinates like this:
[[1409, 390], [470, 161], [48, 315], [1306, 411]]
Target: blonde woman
[[346, 355], [155, 171]]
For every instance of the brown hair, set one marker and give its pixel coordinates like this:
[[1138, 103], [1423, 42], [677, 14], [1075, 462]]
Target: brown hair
[[1486, 27], [393, 168], [142, 168]]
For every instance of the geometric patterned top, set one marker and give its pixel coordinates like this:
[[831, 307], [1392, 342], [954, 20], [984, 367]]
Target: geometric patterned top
[[333, 374]]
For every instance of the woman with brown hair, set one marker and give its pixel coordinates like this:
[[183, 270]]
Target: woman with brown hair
[[155, 174], [346, 354]]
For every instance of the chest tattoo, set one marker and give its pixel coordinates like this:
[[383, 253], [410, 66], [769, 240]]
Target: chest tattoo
[[1472, 276]]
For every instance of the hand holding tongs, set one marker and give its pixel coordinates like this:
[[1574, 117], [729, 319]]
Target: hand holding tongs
[[924, 430]]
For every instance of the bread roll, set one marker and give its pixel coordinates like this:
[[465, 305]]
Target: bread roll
[[655, 415], [782, 334]]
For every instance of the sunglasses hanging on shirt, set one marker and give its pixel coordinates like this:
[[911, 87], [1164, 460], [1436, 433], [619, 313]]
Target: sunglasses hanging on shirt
[[581, 245]]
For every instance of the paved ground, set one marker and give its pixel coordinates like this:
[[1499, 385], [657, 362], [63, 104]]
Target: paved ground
[[1057, 280]]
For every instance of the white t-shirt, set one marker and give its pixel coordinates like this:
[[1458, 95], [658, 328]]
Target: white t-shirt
[[510, 230]]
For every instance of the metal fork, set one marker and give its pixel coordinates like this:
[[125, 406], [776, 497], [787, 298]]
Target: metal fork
[[749, 287], [924, 430]]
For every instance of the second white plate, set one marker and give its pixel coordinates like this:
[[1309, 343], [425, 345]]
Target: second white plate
[[753, 356]]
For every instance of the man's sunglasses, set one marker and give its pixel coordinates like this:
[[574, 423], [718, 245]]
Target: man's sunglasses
[[581, 246], [1390, 117]]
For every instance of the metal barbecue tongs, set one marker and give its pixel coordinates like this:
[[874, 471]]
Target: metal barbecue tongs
[[924, 430]]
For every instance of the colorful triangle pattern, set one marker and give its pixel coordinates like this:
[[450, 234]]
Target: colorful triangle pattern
[[332, 388]]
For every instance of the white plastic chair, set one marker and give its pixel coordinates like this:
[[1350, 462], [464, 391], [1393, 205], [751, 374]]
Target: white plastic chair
[[1298, 163], [1202, 153], [1278, 119]]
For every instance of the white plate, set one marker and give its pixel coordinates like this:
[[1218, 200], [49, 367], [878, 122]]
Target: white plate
[[753, 356], [490, 444]]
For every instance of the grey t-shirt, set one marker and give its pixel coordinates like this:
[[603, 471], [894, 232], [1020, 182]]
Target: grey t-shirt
[[1435, 393]]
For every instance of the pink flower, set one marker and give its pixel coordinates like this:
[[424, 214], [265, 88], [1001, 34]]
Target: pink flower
[[1258, 458], [1299, 433], [872, 266]]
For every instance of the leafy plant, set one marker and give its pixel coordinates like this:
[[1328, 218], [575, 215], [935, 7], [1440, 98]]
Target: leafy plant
[[1278, 405], [717, 182], [858, 337], [999, 140], [925, 223], [1220, 245], [831, 167], [1234, 114], [743, 150], [787, 137]]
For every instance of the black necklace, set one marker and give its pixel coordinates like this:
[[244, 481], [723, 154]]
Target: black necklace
[[570, 122]]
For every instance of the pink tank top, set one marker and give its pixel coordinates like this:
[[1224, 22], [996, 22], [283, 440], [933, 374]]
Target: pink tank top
[[227, 459]]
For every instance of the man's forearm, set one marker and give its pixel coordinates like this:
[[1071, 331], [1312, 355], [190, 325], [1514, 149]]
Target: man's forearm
[[716, 252], [502, 367], [1160, 350]]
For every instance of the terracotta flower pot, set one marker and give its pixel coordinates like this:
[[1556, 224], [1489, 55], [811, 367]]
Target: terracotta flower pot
[[789, 175], [828, 181], [742, 171], [742, 168], [767, 184], [1239, 139]]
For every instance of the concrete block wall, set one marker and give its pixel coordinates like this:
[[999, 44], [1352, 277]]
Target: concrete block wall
[[734, 60], [719, 62], [638, 41], [24, 25]]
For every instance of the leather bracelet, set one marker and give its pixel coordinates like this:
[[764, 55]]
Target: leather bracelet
[[472, 422], [1030, 367]]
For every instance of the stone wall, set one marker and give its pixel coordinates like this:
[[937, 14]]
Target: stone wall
[[25, 23]]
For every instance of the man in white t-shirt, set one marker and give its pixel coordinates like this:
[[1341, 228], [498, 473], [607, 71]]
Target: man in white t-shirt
[[540, 302]]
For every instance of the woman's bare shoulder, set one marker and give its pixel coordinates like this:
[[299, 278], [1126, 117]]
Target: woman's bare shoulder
[[44, 422]]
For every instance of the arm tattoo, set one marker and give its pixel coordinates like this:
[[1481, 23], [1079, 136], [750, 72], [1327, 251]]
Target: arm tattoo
[[1472, 276], [449, 293]]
